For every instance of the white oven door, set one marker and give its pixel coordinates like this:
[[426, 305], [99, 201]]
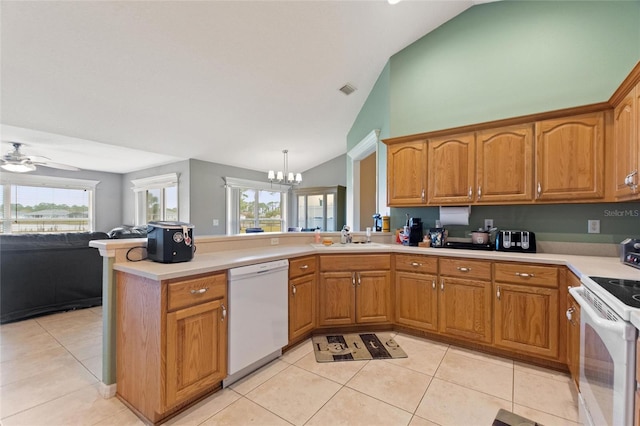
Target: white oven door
[[607, 362]]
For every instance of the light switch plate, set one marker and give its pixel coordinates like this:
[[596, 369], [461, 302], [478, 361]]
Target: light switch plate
[[593, 226]]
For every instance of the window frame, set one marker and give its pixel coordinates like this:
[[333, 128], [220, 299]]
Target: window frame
[[7, 180], [233, 188], [141, 189]]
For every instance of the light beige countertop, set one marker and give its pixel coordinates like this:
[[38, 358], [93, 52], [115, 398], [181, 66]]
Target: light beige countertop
[[221, 260]]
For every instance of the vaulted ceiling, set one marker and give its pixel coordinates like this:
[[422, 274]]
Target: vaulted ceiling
[[122, 85]]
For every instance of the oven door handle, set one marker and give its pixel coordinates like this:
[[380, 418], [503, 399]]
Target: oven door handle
[[618, 327]]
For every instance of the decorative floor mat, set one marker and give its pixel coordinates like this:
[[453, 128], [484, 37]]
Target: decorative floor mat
[[356, 347], [507, 418]]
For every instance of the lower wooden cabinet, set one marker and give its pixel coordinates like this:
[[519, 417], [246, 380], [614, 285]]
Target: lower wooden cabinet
[[465, 308], [360, 295], [171, 341], [196, 350], [302, 297], [573, 339], [526, 309], [465, 299], [417, 300]]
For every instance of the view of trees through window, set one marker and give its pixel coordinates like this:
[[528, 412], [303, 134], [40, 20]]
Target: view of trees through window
[[162, 204], [34, 209], [260, 209]]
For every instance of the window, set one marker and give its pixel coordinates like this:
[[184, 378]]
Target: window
[[41, 204], [156, 198], [253, 205]]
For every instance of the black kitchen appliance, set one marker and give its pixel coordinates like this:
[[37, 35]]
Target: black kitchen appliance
[[516, 241], [377, 222], [630, 252], [416, 234], [170, 242]]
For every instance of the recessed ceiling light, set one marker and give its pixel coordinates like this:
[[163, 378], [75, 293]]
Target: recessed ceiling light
[[347, 89], [393, 1]]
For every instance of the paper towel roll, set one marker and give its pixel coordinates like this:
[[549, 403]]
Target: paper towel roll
[[455, 215]]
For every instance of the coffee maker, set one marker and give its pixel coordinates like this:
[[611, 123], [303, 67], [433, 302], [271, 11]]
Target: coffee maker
[[416, 233]]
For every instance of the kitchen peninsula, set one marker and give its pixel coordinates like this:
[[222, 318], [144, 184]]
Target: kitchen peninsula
[[444, 272]]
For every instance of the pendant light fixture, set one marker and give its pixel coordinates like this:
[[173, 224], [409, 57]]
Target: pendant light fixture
[[285, 176]]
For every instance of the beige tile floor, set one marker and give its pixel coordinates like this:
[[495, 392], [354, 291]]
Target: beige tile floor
[[50, 370]]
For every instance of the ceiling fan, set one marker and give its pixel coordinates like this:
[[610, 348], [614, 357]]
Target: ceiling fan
[[16, 161]]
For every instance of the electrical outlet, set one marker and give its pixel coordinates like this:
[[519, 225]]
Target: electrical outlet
[[488, 224], [593, 226], [275, 241], [216, 222]]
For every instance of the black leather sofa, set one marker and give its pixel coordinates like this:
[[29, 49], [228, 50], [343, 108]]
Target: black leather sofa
[[46, 273]]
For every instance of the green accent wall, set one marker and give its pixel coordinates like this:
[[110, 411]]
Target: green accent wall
[[374, 113], [557, 222], [507, 59], [512, 58]]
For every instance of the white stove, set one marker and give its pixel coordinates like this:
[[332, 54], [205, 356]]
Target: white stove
[[607, 349]]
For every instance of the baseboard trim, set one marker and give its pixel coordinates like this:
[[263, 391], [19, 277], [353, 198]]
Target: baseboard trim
[[107, 391]]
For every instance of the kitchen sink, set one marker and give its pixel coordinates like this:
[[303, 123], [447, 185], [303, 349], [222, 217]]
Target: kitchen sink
[[352, 246]]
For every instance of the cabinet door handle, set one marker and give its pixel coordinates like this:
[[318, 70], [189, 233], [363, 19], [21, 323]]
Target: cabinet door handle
[[524, 275], [433, 284], [200, 290], [463, 269], [442, 284], [293, 289], [479, 191], [470, 192], [224, 312], [304, 267], [359, 279], [539, 189], [422, 196], [498, 293], [570, 312], [416, 264], [353, 279]]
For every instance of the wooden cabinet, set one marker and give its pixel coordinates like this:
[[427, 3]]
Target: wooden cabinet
[[302, 296], [416, 291], [171, 341], [451, 169], [465, 299], [626, 146], [573, 339], [570, 158], [526, 308], [407, 173], [354, 289], [504, 164]]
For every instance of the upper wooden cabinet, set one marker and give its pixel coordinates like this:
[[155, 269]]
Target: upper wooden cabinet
[[504, 164], [451, 169], [626, 146], [570, 158], [407, 173]]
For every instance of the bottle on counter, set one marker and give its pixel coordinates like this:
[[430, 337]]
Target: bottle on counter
[[316, 237]]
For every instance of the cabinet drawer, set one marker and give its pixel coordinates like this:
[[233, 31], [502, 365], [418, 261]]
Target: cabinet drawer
[[355, 262], [465, 268], [198, 290], [523, 273], [302, 266], [415, 263]]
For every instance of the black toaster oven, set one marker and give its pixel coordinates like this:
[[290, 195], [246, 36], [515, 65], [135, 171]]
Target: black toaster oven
[[170, 242]]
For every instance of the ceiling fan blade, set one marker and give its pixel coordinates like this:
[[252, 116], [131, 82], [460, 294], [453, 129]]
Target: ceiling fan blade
[[56, 166]]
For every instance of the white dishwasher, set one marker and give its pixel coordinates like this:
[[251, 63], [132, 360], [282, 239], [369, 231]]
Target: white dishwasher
[[258, 316]]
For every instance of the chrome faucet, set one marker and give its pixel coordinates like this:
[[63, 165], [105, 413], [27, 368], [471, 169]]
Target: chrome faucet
[[345, 235]]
